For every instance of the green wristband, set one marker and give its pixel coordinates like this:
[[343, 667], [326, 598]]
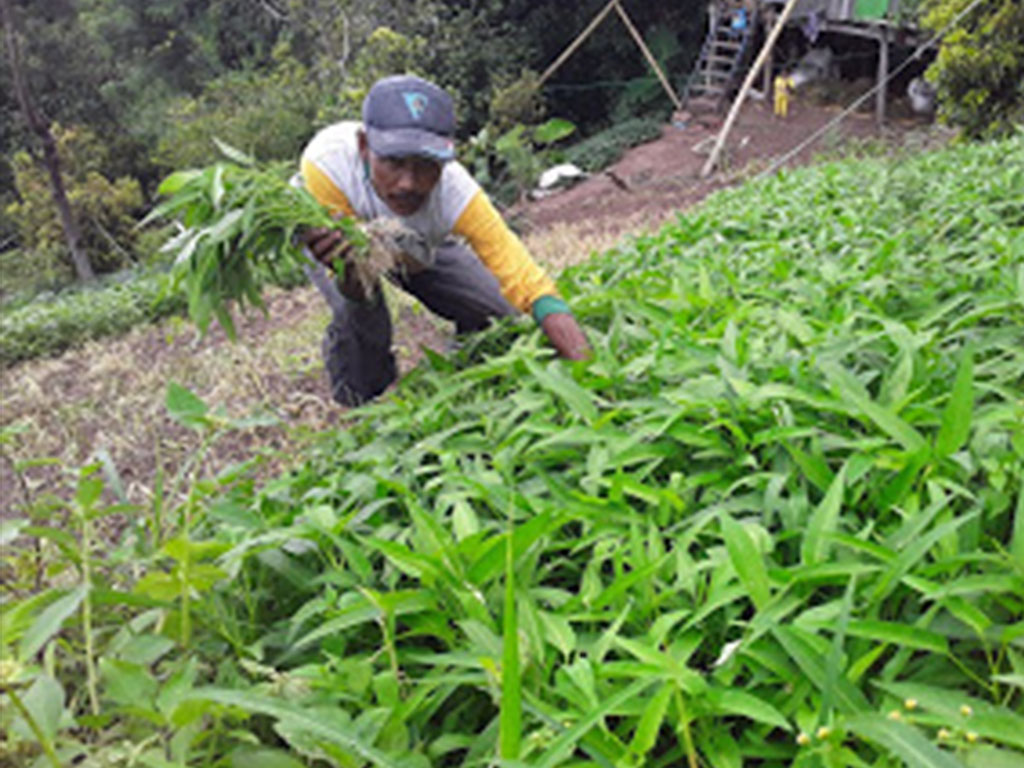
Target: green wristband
[[549, 305]]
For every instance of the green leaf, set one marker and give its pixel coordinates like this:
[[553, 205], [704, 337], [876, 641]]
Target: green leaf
[[900, 635], [554, 379], [263, 758], [127, 684], [510, 729], [732, 701], [1017, 545], [175, 181], [992, 757], [44, 701], [10, 529], [747, 560], [956, 417], [565, 740], [185, 407], [553, 130], [50, 621], [558, 631], [646, 734], [250, 701], [233, 154], [848, 698], [903, 740], [853, 393], [814, 547]]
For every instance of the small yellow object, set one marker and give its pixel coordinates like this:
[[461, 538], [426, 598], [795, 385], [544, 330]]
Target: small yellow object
[[783, 85], [9, 670], [803, 739], [966, 711], [823, 732], [895, 715], [944, 735], [971, 736], [910, 703]]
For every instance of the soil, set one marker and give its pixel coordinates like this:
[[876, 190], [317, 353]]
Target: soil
[[665, 175], [649, 183]]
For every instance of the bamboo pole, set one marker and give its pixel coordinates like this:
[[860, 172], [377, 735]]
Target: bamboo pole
[[571, 48], [883, 74], [734, 111], [647, 54]]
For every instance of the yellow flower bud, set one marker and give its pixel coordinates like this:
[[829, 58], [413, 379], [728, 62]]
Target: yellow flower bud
[[803, 739], [9, 670], [944, 734], [895, 715], [966, 711], [971, 736], [910, 703]]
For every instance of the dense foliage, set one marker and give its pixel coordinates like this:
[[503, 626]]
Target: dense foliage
[[157, 81], [50, 323], [778, 518], [605, 148], [979, 71]]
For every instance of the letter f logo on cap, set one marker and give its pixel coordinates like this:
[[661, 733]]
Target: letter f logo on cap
[[416, 103]]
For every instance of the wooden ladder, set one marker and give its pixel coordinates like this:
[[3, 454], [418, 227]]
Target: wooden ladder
[[723, 59]]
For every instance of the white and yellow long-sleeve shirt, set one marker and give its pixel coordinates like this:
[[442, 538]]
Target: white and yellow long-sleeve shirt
[[334, 173]]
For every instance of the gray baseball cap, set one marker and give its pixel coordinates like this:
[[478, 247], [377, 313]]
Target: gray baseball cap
[[407, 115]]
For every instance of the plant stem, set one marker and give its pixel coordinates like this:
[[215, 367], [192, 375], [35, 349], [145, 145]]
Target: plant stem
[[90, 666], [44, 741], [684, 728]]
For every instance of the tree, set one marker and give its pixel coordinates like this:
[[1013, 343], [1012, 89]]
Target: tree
[[50, 157], [105, 209], [979, 72]]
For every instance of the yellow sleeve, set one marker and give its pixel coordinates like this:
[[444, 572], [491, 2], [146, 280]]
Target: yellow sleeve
[[522, 281], [324, 190]]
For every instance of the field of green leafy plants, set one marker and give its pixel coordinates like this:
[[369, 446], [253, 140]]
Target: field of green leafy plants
[[778, 520]]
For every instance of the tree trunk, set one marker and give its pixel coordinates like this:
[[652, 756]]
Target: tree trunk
[[51, 158]]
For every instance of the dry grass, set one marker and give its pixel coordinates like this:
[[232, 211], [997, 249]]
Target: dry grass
[[563, 245], [109, 395]]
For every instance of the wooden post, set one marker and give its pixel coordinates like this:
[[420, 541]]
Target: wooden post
[[883, 73], [766, 79], [648, 55], [571, 48], [734, 111]]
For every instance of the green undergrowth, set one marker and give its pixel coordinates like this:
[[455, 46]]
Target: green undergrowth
[[605, 148], [54, 322], [777, 520]]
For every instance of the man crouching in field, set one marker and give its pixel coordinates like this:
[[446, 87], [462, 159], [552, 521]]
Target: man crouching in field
[[399, 164]]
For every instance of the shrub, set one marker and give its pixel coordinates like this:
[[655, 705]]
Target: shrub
[[104, 208], [605, 148], [49, 323], [52, 323], [979, 71], [269, 114]]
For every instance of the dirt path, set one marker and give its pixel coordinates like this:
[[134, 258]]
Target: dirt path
[[664, 175], [110, 395]]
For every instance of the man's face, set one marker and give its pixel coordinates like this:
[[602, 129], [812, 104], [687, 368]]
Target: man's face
[[403, 183]]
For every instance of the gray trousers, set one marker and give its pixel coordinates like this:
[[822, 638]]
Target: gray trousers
[[357, 345]]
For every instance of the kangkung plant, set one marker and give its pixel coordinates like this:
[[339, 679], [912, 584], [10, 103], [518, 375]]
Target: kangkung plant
[[777, 520], [239, 225]]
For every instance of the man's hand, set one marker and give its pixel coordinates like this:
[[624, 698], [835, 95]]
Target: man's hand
[[566, 336], [326, 245], [329, 246]]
